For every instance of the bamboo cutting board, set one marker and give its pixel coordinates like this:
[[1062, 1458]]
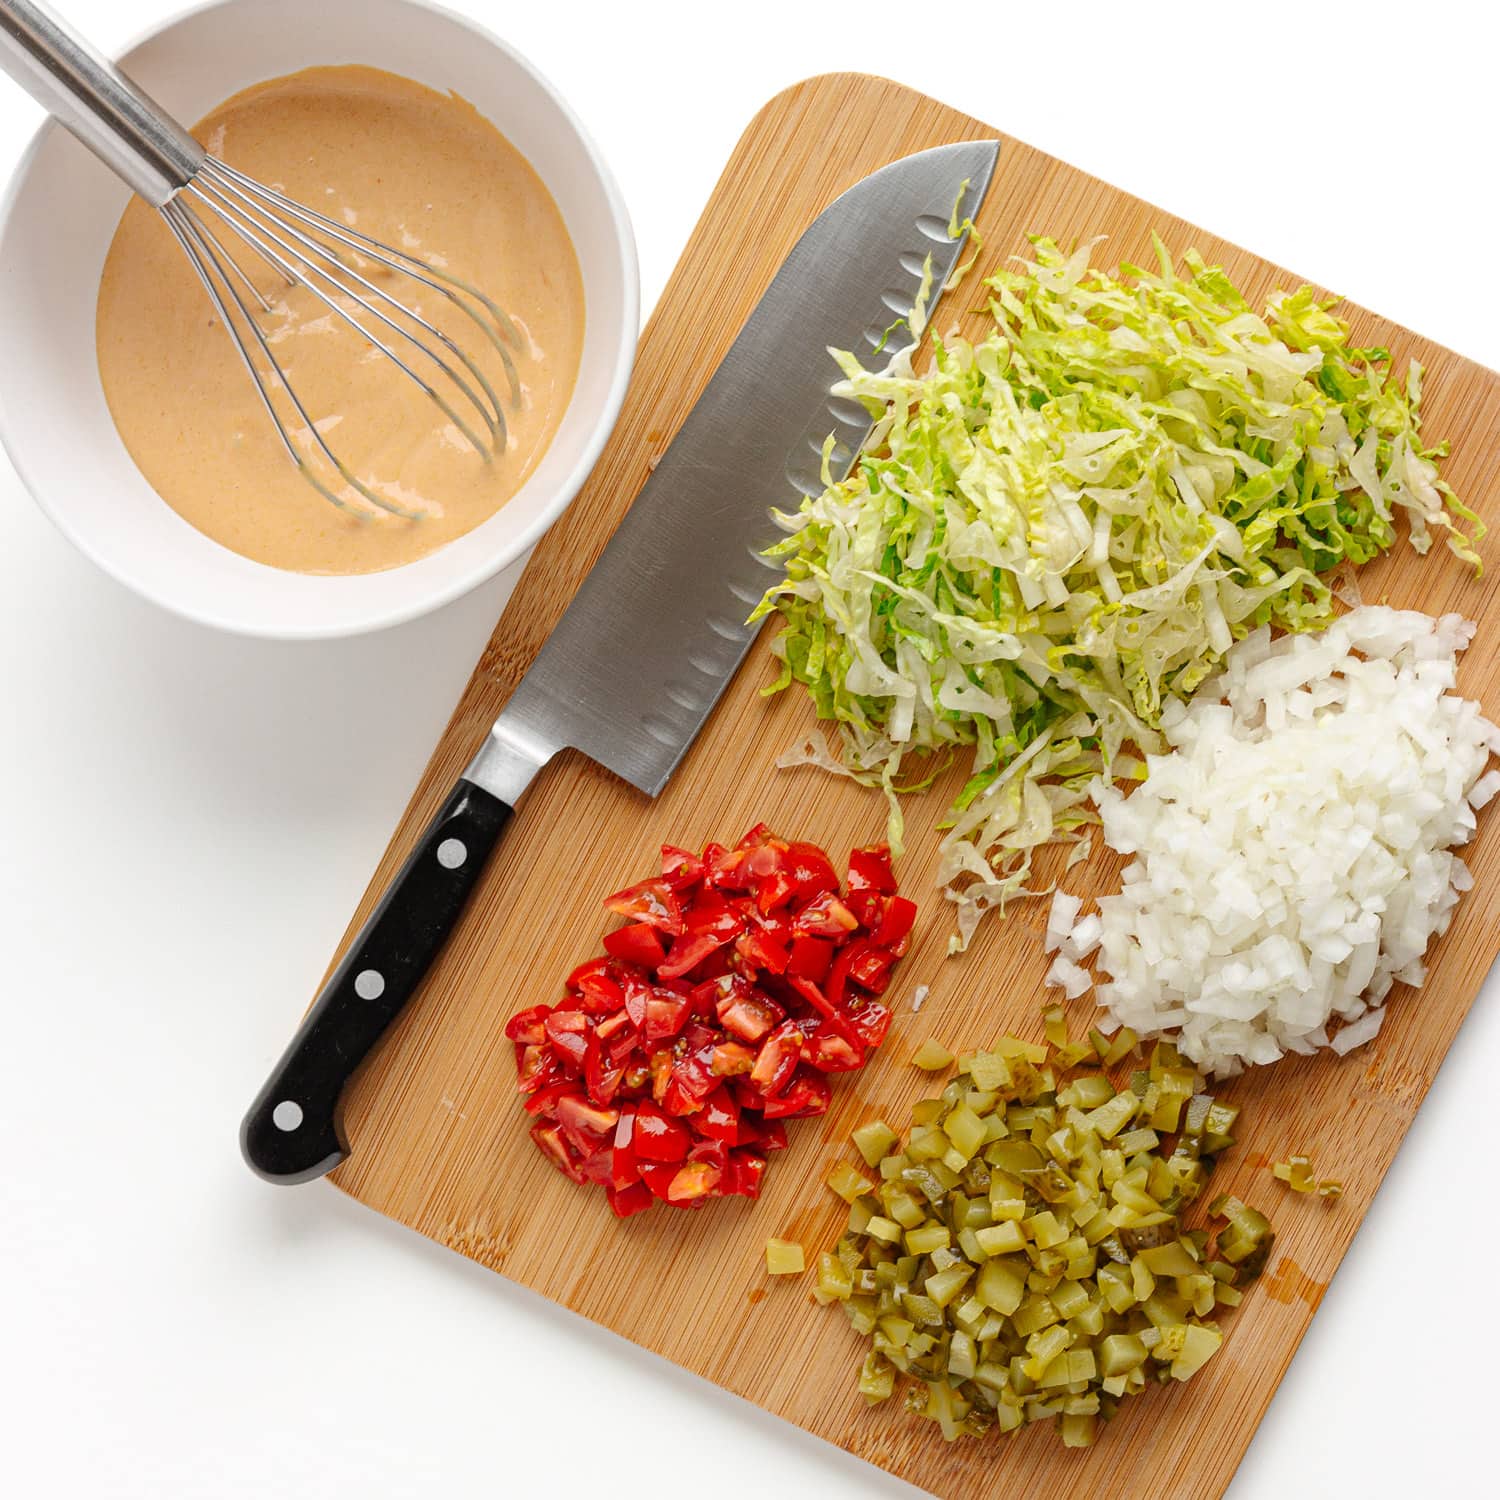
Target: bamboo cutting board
[[438, 1137]]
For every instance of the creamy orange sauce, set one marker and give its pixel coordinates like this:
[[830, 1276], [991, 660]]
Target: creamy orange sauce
[[422, 172]]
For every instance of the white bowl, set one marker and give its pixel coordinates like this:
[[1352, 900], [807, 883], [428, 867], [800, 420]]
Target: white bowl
[[55, 227]]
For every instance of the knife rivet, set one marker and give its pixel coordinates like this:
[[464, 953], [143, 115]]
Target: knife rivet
[[451, 853], [287, 1115], [369, 984]]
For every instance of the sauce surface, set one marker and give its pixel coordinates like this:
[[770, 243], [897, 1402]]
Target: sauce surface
[[421, 171]]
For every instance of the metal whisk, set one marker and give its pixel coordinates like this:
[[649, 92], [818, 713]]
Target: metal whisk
[[209, 207]]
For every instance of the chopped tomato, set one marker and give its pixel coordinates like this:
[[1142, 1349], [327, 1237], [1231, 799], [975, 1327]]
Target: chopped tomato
[[652, 901], [896, 924], [666, 1015], [872, 1022], [603, 1079], [831, 1053], [565, 1034], [762, 949], [695, 1180], [636, 944], [825, 916], [694, 1077], [688, 952], [550, 1138], [740, 981], [629, 1200], [810, 958], [825, 1007], [742, 1179], [731, 1058], [624, 1166], [810, 871], [544, 1101], [777, 1059], [582, 1119], [869, 966], [712, 1152], [597, 986], [661, 1074], [721, 1118], [680, 868], [807, 1094], [537, 1069], [597, 1166], [870, 878], [658, 1138], [527, 1027], [657, 1176], [749, 1017], [713, 913]]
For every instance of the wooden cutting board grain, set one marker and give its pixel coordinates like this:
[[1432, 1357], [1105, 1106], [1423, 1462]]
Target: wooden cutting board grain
[[438, 1136]]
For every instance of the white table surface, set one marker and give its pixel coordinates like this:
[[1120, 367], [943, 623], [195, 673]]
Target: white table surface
[[187, 820]]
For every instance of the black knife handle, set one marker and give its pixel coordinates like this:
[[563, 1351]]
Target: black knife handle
[[294, 1130]]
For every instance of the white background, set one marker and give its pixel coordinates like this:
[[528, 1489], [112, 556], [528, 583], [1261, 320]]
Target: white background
[[187, 820]]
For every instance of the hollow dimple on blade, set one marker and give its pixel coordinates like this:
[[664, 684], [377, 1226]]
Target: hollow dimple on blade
[[657, 629]]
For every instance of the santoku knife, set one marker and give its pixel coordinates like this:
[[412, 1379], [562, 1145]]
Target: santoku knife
[[657, 628]]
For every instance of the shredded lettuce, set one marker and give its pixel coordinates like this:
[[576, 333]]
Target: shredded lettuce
[[1057, 530]]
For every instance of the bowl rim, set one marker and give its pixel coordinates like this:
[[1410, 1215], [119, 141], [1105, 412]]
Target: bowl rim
[[515, 545]]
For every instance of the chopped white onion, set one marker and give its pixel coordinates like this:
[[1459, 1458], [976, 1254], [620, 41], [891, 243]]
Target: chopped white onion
[[1060, 919], [1066, 976], [918, 995], [1293, 854], [1357, 1033], [1084, 938]]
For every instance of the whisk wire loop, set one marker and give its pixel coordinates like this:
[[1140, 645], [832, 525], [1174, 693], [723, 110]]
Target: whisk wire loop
[[191, 235], [498, 328], [283, 233], [257, 234]]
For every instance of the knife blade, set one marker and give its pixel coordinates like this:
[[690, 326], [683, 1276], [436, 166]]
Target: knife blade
[[656, 630]]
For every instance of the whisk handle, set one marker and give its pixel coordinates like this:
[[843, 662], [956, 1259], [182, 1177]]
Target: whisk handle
[[294, 1129], [123, 126]]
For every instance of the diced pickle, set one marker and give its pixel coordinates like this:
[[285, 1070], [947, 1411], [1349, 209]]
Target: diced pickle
[[964, 1129], [1170, 1259], [877, 1380], [903, 1208], [1004, 1238], [1198, 1344], [835, 1284], [962, 1359], [1297, 1173], [848, 1183], [1120, 1353], [932, 1057], [874, 1141], [784, 1258], [1024, 1257], [944, 1286], [1055, 1024], [1217, 1130], [1076, 1431], [1125, 1042], [927, 1238]]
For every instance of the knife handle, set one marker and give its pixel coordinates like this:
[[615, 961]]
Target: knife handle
[[294, 1130]]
